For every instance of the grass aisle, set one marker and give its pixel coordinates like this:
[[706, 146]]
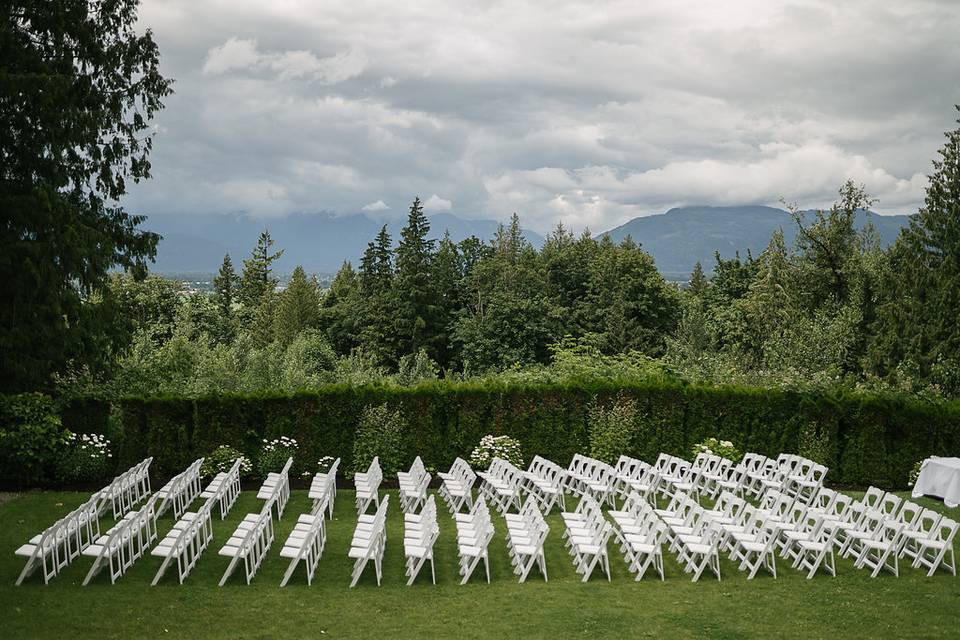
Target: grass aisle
[[850, 606]]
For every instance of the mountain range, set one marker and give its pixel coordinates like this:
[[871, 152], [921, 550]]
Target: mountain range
[[321, 242]]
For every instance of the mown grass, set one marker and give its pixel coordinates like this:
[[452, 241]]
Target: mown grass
[[850, 606]]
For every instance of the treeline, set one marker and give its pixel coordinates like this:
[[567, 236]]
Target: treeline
[[835, 309]]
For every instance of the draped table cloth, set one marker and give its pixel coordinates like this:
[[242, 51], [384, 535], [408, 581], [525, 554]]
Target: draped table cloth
[[939, 477]]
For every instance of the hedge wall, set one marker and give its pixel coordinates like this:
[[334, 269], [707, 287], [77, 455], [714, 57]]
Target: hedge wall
[[864, 439]]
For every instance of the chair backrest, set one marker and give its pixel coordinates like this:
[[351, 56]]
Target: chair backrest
[[872, 497]]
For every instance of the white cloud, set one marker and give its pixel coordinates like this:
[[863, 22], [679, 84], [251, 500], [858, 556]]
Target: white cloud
[[436, 203], [378, 205], [236, 54]]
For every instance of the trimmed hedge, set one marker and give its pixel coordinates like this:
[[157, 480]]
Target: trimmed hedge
[[863, 438]]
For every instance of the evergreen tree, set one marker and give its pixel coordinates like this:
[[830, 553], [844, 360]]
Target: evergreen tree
[[414, 294], [80, 86], [297, 308], [256, 280], [225, 287], [377, 334], [698, 281], [446, 274], [918, 321], [340, 310]]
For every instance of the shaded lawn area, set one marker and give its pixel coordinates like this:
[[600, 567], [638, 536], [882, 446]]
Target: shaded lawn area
[[850, 606]]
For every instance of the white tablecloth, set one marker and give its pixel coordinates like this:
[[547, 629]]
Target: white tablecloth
[[939, 477]]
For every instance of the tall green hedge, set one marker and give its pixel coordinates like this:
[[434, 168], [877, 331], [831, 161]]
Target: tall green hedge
[[863, 438]]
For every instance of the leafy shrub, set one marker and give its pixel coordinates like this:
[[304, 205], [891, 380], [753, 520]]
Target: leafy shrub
[[714, 446], [814, 443], [612, 428], [491, 447], [221, 460], [86, 457], [274, 454], [914, 473], [416, 368], [31, 438], [379, 433]]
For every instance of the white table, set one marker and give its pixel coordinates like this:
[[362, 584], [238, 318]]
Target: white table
[[939, 477]]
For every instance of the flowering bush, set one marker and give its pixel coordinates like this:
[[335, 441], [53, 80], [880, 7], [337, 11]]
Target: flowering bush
[[221, 460], [323, 466], [723, 448], [914, 473], [491, 447], [274, 454], [86, 457]]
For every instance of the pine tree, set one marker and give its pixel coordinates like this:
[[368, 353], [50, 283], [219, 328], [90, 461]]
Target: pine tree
[[340, 312], [297, 308], [698, 281], [414, 294], [917, 321], [225, 287], [376, 333], [256, 280]]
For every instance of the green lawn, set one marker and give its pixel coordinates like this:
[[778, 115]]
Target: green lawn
[[852, 605]]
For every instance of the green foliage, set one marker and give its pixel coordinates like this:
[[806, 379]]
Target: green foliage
[[86, 458], [490, 447], [417, 368], [380, 433], [612, 428], [31, 438], [80, 87], [225, 286], [221, 460]]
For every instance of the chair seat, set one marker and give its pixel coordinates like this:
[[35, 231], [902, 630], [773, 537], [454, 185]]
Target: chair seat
[[290, 552], [27, 549], [358, 552], [700, 548]]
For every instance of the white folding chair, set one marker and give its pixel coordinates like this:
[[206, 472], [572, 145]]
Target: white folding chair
[[932, 550], [419, 536], [457, 486], [526, 533], [368, 486], [474, 532], [249, 543], [305, 543], [368, 543], [276, 488], [185, 542]]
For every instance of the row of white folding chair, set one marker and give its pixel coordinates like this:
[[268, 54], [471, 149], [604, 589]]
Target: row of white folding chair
[[63, 541], [250, 543], [457, 486], [691, 534], [420, 532], [474, 533], [794, 474], [127, 489], [123, 543], [367, 486], [544, 480], [306, 543], [670, 470], [879, 529], [526, 533], [586, 536], [413, 486], [323, 490], [181, 490], [369, 541], [635, 476], [588, 476], [186, 541], [640, 533], [276, 488], [501, 485], [224, 488]]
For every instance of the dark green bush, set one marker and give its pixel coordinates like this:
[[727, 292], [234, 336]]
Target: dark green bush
[[32, 439], [863, 438]]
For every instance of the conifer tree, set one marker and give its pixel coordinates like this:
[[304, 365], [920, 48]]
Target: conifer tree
[[297, 308], [256, 279], [225, 287], [414, 294]]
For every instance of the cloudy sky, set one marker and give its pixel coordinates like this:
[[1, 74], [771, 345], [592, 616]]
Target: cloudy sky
[[589, 113]]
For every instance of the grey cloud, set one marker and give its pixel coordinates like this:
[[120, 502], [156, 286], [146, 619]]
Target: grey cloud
[[590, 113]]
